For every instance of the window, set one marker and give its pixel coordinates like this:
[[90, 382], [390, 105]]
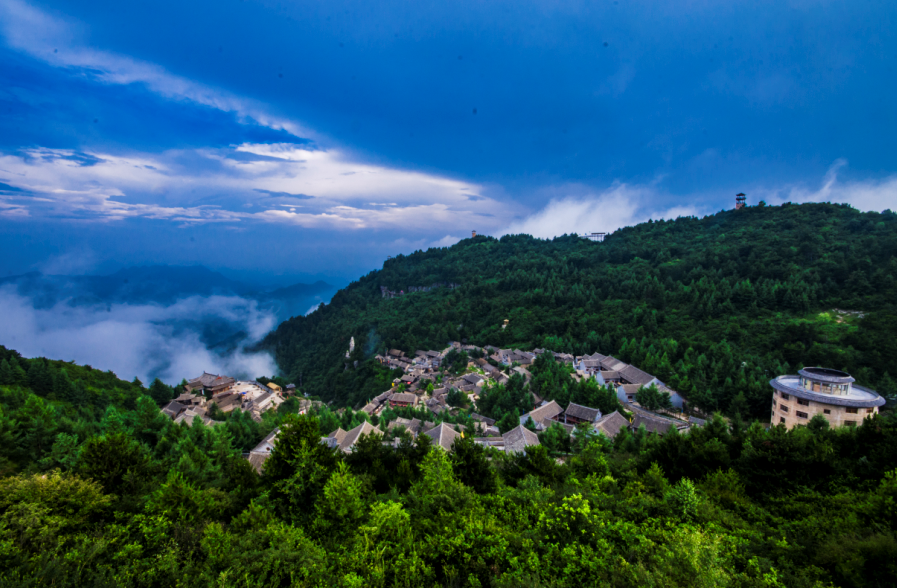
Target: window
[[782, 420], [784, 396], [774, 405], [826, 411], [801, 415], [850, 423], [783, 408], [870, 410], [851, 410], [803, 402]]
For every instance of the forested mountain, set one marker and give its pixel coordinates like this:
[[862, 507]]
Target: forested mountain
[[715, 306], [99, 488], [161, 285]]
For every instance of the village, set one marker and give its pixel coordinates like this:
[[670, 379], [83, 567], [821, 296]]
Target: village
[[426, 385]]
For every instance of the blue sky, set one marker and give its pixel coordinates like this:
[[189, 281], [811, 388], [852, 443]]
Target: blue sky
[[316, 138]]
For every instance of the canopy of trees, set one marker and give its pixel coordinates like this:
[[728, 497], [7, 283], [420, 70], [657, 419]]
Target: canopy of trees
[[714, 307], [107, 491]]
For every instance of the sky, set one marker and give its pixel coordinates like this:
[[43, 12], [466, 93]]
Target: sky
[[288, 140]]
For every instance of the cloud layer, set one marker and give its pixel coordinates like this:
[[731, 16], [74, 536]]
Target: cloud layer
[[146, 341]]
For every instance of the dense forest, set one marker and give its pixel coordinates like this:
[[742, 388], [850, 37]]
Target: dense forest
[[98, 488], [714, 307]]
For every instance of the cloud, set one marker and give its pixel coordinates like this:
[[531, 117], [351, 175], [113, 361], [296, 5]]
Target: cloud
[[146, 341], [867, 195], [38, 34], [208, 186], [73, 263], [446, 241], [584, 212]]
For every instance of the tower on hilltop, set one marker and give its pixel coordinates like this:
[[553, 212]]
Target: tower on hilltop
[[739, 201]]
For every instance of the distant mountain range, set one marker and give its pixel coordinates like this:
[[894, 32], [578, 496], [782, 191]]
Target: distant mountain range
[[163, 285]]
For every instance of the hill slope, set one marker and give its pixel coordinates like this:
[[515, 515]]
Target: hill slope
[[714, 306]]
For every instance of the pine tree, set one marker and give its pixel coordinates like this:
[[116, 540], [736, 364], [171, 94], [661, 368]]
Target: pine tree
[[7, 376]]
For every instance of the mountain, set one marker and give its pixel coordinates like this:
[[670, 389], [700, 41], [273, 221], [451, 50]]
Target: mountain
[[714, 306], [162, 285]]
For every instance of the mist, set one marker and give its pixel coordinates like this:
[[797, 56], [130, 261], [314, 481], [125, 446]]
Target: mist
[[171, 342]]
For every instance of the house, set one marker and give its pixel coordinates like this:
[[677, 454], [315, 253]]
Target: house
[[443, 435], [369, 408], [403, 399], [335, 438], [576, 414], [608, 377], [173, 409], [522, 372], [626, 392], [352, 437], [482, 419], [261, 452], [546, 412], [275, 387], [211, 383], [611, 424], [518, 439], [229, 401], [656, 424]]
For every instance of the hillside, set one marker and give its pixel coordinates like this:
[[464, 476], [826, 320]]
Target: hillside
[[714, 306], [100, 488]]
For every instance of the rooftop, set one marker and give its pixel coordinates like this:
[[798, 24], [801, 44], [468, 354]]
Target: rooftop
[[857, 396]]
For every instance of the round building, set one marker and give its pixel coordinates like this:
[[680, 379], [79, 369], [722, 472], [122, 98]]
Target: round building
[[815, 390]]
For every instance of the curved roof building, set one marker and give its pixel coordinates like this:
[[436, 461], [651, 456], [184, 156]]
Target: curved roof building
[[816, 390]]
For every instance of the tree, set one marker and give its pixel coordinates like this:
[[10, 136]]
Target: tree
[[299, 467], [471, 465], [456, 398], [160, 392], [653, 399], [556, 439]]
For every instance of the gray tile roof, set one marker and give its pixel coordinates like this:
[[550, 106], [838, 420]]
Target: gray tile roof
[[355, 434], [582, 412], [546, 411], [443, 436], [519, 438], [611, 424]]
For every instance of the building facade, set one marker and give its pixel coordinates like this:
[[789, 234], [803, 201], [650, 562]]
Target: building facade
[[828, 392]]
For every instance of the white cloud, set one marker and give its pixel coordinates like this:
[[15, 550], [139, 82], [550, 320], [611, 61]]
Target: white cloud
[[146, 341], [318, 188], [619, 206], [867, 195]]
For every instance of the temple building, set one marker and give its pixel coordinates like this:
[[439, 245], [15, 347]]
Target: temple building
[[815, 390]]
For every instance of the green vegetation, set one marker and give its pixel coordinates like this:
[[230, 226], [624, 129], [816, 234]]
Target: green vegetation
[[111, 492], [714, 307]]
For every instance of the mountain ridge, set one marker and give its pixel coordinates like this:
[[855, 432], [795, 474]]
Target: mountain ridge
[[717, 306]]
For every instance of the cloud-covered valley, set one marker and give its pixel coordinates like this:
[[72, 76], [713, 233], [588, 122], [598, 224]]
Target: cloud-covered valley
[[171, 342]]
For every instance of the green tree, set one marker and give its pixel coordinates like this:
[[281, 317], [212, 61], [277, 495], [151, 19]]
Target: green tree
[[652, 398], [298, 468]]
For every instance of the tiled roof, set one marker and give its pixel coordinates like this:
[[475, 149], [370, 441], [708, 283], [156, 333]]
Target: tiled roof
[[443, 436], [611, 424], [633, 375], [582, 412], [519, 438], [547, 411], [355, 434]]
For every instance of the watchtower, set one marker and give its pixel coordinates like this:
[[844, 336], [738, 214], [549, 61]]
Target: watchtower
[[739, 201], [474, 234]]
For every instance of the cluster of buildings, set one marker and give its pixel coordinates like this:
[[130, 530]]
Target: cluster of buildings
[[228, 394]]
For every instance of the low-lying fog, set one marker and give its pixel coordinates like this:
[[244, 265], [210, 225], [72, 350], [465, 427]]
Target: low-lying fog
[[171, 341]]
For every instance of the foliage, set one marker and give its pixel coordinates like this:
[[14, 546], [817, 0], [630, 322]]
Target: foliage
[[713, 307]]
